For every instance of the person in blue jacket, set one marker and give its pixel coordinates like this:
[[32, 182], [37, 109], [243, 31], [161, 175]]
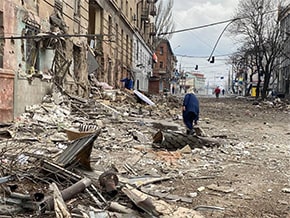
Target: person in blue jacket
[[190, 112], [128, 82]]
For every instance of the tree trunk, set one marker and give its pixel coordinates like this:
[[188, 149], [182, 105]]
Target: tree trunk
[[176, 140], [258, 85], [251, 85], [266, 84]]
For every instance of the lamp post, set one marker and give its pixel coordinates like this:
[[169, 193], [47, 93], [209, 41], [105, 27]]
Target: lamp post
[[211, 57]]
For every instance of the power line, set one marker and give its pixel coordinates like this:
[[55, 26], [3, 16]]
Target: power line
[[195, 35], [198, 27], [196, 56], [213, 24], [202, 67], [230, 21]]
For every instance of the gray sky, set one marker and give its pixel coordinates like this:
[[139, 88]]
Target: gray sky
[[199, 43]]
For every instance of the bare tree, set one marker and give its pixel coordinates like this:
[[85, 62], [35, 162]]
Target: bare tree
[[244, 64], [164, 20], [258, 24]]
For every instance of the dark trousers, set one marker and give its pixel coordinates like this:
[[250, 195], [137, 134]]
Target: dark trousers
[[188, 118]]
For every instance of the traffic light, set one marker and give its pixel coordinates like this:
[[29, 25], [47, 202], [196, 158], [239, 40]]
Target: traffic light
[[212, 60], [196, 67]]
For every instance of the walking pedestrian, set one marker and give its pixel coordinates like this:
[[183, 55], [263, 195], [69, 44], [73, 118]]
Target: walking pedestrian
[[190, 112], [223, 92], [217, 92]]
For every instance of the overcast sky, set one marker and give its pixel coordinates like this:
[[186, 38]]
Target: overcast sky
[[199, 43]]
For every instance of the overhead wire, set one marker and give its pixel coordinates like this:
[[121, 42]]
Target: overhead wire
[[196, 56], [197, 27], [229, 21], [211, 24], [196, 36]]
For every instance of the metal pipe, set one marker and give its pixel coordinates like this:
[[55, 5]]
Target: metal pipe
[[69, 192], [46, 35]]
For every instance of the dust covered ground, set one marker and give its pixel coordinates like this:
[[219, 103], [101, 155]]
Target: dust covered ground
[[250, 173], [247, 176]]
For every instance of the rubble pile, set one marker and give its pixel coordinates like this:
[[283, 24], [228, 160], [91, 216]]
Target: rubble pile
[[271, 103], [277, 103], [108, 155], [76, 157]]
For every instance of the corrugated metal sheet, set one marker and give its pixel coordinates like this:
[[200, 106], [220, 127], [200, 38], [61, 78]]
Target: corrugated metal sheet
[[78, 153]]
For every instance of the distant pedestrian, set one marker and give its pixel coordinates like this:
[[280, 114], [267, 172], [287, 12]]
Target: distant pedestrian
[[217, 92], [190, 112], [223, 92]]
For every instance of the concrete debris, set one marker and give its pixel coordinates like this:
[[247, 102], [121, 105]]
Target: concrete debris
[[109, 156], [59, 146]]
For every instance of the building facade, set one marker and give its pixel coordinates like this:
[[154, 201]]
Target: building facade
[[124, 45], [37, 47], [283, 85], [59, 42], [163, 69]]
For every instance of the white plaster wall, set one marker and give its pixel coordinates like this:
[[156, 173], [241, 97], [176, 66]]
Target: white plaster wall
[[141, 63]]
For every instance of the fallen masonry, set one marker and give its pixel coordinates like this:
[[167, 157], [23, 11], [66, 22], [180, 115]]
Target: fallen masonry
[[48, 161]]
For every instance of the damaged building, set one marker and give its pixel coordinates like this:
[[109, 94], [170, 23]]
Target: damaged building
[[56, 43]]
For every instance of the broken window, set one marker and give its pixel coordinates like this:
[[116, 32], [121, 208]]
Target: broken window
[[122, 44], [117, 40], [32, 46], [161, 50], [77, 15], [127, 10], [130, 50], [77, 8], [127, 49], [77, 62], [110, 27], [131, 14], [110, 79], [122, 5]]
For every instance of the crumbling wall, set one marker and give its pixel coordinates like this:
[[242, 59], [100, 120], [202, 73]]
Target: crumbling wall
[[73, 22], [16, 18], [116, 43], [31, 56]]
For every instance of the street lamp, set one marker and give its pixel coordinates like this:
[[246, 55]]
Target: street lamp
[[211, 57]]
